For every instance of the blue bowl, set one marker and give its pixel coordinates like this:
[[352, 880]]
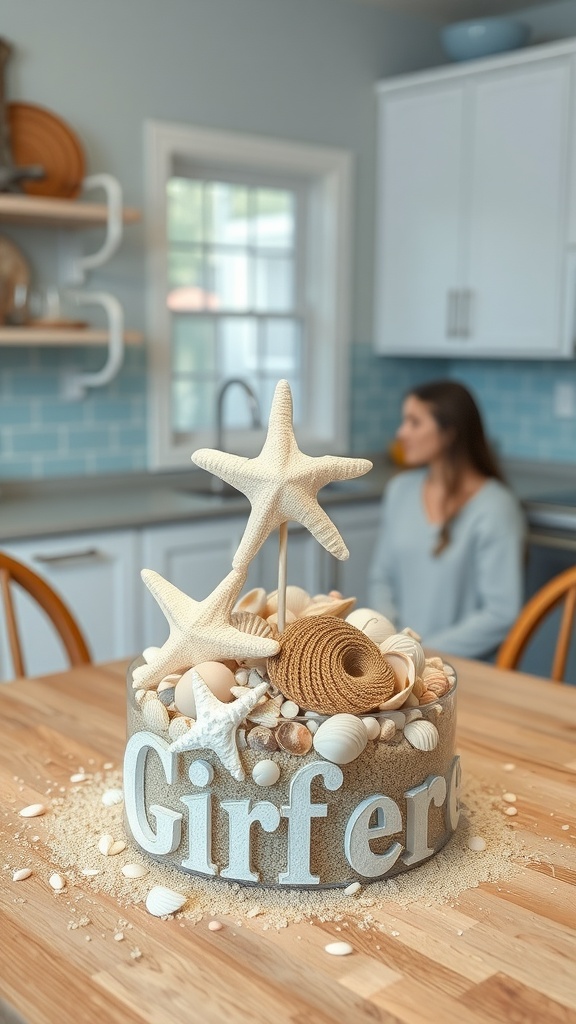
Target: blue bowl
[[480, 37]]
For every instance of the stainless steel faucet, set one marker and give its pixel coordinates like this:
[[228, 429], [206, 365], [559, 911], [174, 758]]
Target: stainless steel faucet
[[217, 484]]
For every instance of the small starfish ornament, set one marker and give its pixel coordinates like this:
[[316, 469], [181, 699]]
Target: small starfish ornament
[[216, 724], [199, 630], [282, 482]]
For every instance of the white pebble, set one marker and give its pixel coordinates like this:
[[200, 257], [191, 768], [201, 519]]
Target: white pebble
[[289, 709], [352, 888], [312, 725], [21, 874], [338, 948], [215, 926], [79, 777], [509, 798], [109, 846], [510, 811], [112, 796], [134, 870], [476, 843], [57, 882], [372, 726], [564, 827], [241, 676], [33, 811], [265, 773]]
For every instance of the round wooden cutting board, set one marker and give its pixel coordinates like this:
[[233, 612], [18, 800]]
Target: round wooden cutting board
[[37, 136]]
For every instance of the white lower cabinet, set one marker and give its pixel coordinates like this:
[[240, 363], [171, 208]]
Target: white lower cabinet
[[97, 575]]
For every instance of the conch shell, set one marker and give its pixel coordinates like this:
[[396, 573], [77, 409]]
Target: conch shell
[[406, 645], [404, 679], [372, 623]]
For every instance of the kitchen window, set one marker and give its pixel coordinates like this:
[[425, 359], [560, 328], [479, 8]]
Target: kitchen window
[[248, 277]]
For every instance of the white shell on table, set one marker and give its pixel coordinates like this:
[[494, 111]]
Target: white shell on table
[[406, 645], [339, 948], [341, 738], [265, 773], [372, 726], [134, 870], [112, 796], [33, 811], [20, 874], [162, 901], [372, 623], [56, 882], [421, 734], [155, 715]]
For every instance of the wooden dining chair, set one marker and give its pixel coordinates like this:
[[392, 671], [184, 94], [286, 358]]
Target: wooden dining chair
[[559, 590], [14, 573]]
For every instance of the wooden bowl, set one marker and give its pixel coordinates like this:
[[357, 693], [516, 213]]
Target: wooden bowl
[[37, 136]]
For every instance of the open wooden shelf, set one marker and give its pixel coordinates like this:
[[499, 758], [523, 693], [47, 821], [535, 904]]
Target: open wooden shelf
[[61, 336], [65, 213]]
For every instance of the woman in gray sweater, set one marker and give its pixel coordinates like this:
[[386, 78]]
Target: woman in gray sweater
[[449, 558]]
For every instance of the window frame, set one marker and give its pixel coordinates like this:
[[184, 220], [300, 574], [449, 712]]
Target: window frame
[[326, 173]]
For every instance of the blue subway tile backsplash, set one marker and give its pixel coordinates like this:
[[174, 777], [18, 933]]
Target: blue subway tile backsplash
[[106, 432]]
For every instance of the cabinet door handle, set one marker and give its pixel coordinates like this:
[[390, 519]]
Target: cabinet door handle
[[464, 313], [452, 313], [83, 555]]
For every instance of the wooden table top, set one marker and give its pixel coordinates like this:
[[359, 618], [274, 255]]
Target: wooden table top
[[502, 953]]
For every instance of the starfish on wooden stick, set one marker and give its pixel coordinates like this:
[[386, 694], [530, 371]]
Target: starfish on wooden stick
[[282, 482], [199, 630], [216, 724]]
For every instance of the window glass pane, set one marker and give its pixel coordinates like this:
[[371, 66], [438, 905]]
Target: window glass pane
[[193, 405], [193, 345], [226, 213], [228, 279], [184, 210], [274, 283], [281, 353], [188, 281], [238, 348], [273, 218]]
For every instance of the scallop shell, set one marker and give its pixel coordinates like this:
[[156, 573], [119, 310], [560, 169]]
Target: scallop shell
[[155, 715], [265, 773], [374, 625], [272, 619], [178, 726], [262, 739], [406, 645], [436, 680], [324, 604], [253, 601], [327, 665], [297, 599], [341, 739], [293, 738], [266, 713], [421, 734], [161, 901], [250, 622]]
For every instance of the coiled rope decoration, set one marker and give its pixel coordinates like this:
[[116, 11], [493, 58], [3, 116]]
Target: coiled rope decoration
[[329, 666]]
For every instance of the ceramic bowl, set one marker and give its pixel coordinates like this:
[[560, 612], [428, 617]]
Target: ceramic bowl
[[480, 37]]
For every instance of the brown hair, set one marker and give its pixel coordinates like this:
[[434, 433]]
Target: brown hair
[[457, 415]]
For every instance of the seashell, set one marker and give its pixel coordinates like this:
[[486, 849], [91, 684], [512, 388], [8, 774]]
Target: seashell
[[289, 709], [166, 696], [253, 601], [411, 714], [372, 623], [421, 734], [435, 661], [155, 715], [218, 678], [57, 882], [254, 678], [404, 676], [339, 948], [293, 738], [21, 874], [169, 682], [435, 680], [352, 889], [241, 739], [80, 777], [134, 870], [161, 901], [262, 739], [248, 622], [109, 846], [412, 633], [406, 645], [139, 695], [265, 773], [112, 796], [312, 725], [241, 676], [418, 689], [510, 811], [341, 739], [179, 726], [387, 730], [289, 617], [33, 811], [509, 798], [372, 726], [327, 665], [398, 717], [324, 604], [215, 926], [90, 872], [476, 843], [266, 713], [427, 697], [411, 701], [297, 599], [239, 691]]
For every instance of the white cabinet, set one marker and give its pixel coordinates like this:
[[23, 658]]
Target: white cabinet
[[474, 200], [97, 575], [195, 557], [358, 524]]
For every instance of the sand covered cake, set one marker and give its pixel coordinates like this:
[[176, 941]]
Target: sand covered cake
[[287, 739]]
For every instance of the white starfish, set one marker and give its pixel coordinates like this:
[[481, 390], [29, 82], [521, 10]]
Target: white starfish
[[282, 482], [216, 724], [199, 630]]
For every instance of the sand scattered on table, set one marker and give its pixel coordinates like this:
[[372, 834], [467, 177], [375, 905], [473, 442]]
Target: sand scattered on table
[[80, 819]]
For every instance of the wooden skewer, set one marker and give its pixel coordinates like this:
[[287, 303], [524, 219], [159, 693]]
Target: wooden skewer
[[282, 564]]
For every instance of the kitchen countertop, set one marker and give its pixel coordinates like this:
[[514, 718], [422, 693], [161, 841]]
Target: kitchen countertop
[[58, 507]]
